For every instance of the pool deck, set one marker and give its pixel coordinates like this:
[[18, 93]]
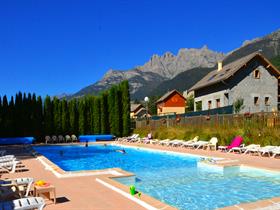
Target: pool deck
[[98, 191]]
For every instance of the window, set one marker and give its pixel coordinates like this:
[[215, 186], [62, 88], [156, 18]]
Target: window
[[256, 101], [209, 104], [266, 101], [212, 77], [256, 74], [218, 103]]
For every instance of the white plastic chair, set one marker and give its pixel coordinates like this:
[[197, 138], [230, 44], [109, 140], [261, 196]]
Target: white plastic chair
[[23, 204]]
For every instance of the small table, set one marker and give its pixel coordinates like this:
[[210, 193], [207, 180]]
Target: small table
[[45, 191]]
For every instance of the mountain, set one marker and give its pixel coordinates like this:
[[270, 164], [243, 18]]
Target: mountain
[[181, 82], [269, 46], [162, 73], [144, 78]]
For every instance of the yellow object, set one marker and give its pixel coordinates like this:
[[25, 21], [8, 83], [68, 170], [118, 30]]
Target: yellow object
[[40, 183]]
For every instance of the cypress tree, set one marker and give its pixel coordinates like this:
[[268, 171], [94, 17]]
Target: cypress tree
[[111, 104], [104, 112], [5, 107], [48, 116], [39, 117], [91, 108], [73, 116], [96, 115], [1, 117], [88, 114], [81, 111], [10, 120], [57, 115], [64, 117], [118, 111], [125, 108]]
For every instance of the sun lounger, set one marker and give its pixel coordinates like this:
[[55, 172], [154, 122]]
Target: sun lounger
[[154, 141], [61, 139], [9, 166], [236, 142], [266, 150], [23, 204], [190, 142], [2, 152], [54, 139], [7, 158], [177, 143], [211, 144], [276, 152], [199, 144], [251, 148], [68, 139], [163, 142], [23, 185], [74, 138], [48, 139]]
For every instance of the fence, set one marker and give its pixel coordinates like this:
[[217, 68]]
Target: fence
[[261, 119]]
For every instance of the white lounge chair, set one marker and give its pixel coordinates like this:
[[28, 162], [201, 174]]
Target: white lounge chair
[[7, 158], [74, 138], [23, 184], [276, 152], [9, 166], [48, 139], [211, 144], [2, 152], [23, 204], [266, 150], [61, 139], [67, 139], [54, 139], [177, 143], [165, 141], [190, 142], [251, 148]]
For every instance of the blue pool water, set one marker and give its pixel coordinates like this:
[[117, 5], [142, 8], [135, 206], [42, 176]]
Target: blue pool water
[[174, 179]]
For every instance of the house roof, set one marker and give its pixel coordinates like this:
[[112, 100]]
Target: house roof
[[229, 70], [134, 107], [166, 95]]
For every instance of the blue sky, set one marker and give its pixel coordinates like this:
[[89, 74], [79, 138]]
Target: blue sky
[[51, 47]]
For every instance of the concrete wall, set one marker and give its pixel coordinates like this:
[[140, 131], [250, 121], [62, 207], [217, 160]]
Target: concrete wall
[[250, 87], [213, 97], [243, 85]]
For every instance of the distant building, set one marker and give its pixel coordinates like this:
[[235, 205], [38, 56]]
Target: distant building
[[251, 78], [138, 111], [172, 102]]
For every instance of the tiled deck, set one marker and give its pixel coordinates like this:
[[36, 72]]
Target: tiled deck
[[87, 193]]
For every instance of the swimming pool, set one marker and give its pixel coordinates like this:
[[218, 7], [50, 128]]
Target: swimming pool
[[175, 179]]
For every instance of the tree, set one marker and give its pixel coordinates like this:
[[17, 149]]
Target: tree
[[96, 115], [104, 112], [81, 111], [190, 103], [238, 105], [5, 107], [39, 117], [64, 117], [73, 116], [152, 106], [48, 116], [125, 108]]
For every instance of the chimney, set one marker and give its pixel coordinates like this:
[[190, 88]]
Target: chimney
[[220, 66]]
